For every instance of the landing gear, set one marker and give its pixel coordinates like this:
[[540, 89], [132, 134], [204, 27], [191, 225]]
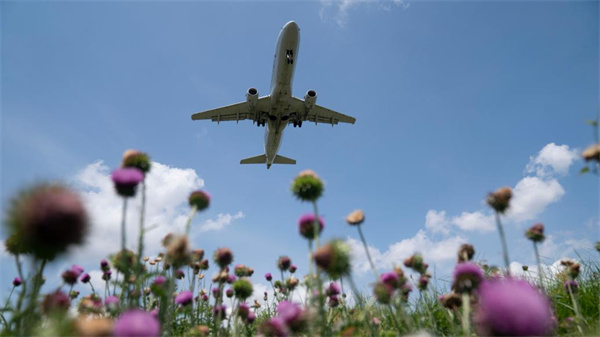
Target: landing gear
[[297, 124], [260, 123]]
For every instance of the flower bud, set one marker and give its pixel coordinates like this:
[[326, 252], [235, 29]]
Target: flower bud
[[17, 281], [199, 199], [356, 218], [536, 233], [307, 186], [334, 258], [126, 181], [283, 263], [465, 252], [500, 199], [306, 226], [592, 153], [243, 289], [223, 257], [137, 159]]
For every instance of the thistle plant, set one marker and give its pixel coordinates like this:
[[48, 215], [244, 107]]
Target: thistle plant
[[499, 201], [536, 234]]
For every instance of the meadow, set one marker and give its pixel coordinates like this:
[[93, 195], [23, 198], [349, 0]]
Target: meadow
[[185, 291]]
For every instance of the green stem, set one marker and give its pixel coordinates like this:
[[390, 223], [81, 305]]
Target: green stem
[[364, 242], [316, 224], [466, 304], [575, 308], [396, 324], [539, 263], [123, 235], [504, 246], [189, 219]]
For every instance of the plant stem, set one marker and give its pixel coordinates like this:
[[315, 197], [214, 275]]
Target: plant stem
[[575, 308], [539, 263], [504, 247], [316, 224], [189, 219], [466, 304], [123, 235], [364, 242]]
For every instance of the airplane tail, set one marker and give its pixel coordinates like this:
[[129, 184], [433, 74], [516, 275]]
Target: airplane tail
[[262, 159]]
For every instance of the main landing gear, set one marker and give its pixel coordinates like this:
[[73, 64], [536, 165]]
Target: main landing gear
[[261, 123], [297, 124]]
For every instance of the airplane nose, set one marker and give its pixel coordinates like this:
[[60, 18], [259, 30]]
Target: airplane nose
[[291, 25]]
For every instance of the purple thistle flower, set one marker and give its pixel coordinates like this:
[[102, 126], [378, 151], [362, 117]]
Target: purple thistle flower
[[573, 285], [106, 275], [467, 276], [111, 302], [56, 301], [510, 307], [104, 265], [159, 280], [85, 278], [126, 180], [184, 298], [200, 199], [229, 293], [333, 301], [274, 327], [136, 323], [251, 317], [231, 278], [220, 311], [333, 289], [268, 277], [391, 279], [283, 263], [216, 292], [77, 269], [306, 225], [204, 297], [17, 281], [292, 315], [293, 268], [69, 277]]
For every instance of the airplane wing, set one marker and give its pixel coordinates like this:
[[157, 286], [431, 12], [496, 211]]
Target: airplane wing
[[235, 112], [319, 114]]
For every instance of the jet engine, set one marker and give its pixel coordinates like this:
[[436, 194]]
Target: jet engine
[[310, 99], [252, 98]]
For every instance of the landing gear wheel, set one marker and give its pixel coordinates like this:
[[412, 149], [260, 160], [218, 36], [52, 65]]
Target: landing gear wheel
[[300, 124]]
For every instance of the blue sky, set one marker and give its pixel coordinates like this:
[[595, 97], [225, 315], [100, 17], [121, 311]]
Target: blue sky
[[452, 100]]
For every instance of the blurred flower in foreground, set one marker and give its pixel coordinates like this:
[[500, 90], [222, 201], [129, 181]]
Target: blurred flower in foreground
[[46, 220], [334, 258], [223, 257], [509, 307], [592, 153], [467, 277], [307, 186], [126, 181], [274, 327], [136, 323], [184, 298]]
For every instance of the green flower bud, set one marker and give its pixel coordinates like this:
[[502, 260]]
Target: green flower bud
[[307, 186]]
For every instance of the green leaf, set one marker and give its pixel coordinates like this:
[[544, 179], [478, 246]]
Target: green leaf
[[584, 170]]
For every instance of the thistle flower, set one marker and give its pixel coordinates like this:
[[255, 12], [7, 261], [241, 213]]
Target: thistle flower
[[85, 326], [307, 186], [334, 258], [424, 282], [416, 263], [223, 257], [229, 293], [17, 281], [591, 153], [179, 274], [126, 181], [136, 323], [85, 278], [274, 327], [137, 159], [15, 245], [465, 252], [510, 307], [268, 277], [467, 277], [306, 226], [291, 283], [199, 199], [293, 316], [536, 233], [178, 251], [239, 270], [124, 261], [391, 279], [573, 285], [184, 298], [56, 302], [198, 331], [73, 294], [383, 292], [69, 277], [106, 275], [243, 311], [104, 265], [197, 255], [45, 220], [333, 289], [356, 218], [220, 311], [242, 289], [333, 301], [451, 300], [500, 199], [204, 264], [283, 263]]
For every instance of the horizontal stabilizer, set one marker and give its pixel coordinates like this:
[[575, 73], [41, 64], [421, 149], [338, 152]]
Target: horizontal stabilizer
[[284, 160], [262, 159]]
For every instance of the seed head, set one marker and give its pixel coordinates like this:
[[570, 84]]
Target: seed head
[[592, 153], [306, 226], [307, 186], [223, 257], [137, 159], [465, 252], [355, 218], [242, 289], [334, 258], [536, 233], [199, 199], [500, 200], [126, 181]]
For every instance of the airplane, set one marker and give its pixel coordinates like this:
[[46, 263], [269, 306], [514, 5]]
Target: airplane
[[280, 108]]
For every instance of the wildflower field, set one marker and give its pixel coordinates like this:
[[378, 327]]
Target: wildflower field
[[185, 291]]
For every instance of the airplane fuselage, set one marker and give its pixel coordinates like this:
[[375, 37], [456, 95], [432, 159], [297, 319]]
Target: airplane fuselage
[[286, 53]]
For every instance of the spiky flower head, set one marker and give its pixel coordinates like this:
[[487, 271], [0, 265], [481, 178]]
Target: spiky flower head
[[333, 289], [136, 323], [510, 307], [220, 311], [293, 316], [242, 289], [383, 292], [240, 270], [45, 220], [306, 225], [500, 200], [56, 302], [69, 277], [307, 186], [356, 218], [14, 245], [223, 257], [137, 159], [178, 251], [197, 255], [536, 233], [391, 279], [274, 327], [571, 286], [126, 181], [291, 283], [334, 258], [268, 277], [591, 153], [104, 266], [124, 261], [85, 278], [467, 277], [451, 300], [416, 263], [184, 298], [199, 199], [283, 263], [17, 281], [424, 282], [465, 252]]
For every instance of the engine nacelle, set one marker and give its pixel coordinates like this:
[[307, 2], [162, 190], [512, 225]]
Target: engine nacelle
[[252, 98], [310, 99]]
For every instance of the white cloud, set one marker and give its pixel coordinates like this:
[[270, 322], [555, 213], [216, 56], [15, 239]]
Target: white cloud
[[220, 223], [531, 196], [167, 189], [474, 221], [342, 7], [552, 159], [436, 221]]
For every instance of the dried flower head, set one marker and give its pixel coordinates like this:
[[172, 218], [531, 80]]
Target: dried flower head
[[126, 181], [307, 186], [416, 263], [356, 218], [178, 251], [242, 289], [306, 226], [291, 283], [591, 153], [45, 220], [334, 258], [283, 263], [136, 323], [467, 277], [465, 252], [124, 261], [500, 200], [509, 307], [199, 199], [223, 257], [536, 233], [137, 159], [197, 255], [451, 300]]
